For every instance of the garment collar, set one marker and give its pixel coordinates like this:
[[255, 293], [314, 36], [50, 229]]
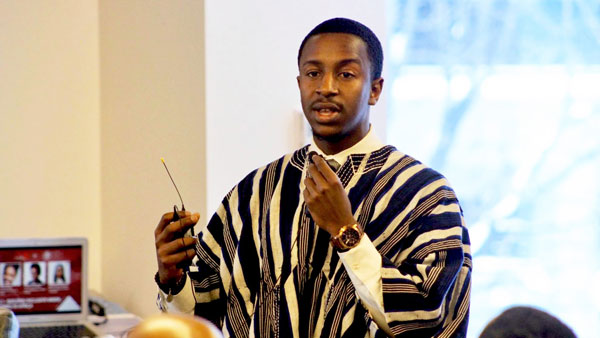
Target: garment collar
[[368, 144]]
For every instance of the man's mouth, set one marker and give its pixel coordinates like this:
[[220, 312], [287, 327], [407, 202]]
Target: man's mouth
[[326, 112]]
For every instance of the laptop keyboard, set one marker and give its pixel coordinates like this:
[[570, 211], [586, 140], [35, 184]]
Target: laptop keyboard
[[70, 331]]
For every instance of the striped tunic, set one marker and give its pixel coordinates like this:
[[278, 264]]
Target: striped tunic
[[264, 269]]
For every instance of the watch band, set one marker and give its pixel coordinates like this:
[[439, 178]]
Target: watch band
[[171, 290]]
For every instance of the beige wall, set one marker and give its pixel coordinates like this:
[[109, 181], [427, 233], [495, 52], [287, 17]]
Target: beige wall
[[50, 122], [152, 101]]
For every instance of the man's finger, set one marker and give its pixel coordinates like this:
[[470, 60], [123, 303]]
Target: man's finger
[[179, 257], [190, 254], [177, 245], [168, 217], [175, 229], [182, 225], [325, 169], [311, 188], [316, 175]]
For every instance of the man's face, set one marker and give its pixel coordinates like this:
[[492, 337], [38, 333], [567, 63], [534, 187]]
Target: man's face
[[34, 272], [336, 89], [9, 275]]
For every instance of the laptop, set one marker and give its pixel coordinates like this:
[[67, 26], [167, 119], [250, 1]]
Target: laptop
[[44, 282]]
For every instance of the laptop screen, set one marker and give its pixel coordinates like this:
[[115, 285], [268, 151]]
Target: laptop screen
[[42, 279]]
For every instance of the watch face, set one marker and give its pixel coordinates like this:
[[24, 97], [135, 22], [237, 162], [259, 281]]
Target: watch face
[[350, 237]]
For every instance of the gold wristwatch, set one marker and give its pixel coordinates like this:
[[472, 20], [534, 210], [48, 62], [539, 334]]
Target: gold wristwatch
[[347, 237]]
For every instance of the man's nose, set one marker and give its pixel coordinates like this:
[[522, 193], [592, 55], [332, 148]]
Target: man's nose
[[328, 86]]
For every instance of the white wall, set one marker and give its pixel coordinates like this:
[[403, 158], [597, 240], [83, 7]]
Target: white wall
[[49, 122], [252, 99]]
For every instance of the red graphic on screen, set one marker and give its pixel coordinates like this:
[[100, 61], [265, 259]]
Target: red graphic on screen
[[41, 280]]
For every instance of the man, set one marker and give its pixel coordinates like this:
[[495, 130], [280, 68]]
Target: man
[[9, 274], [35, 275], [345, 237]]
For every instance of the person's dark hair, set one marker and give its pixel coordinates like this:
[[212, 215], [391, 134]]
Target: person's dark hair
[[37, 267], [527, 322], [347, 26]]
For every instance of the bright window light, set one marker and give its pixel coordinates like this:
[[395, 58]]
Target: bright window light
[[503, 98]]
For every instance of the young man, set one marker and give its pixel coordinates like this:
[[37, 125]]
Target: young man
[[35, 275], [346, 237]]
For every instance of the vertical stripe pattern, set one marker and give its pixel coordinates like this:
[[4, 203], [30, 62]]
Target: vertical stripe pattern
[[266, 270]]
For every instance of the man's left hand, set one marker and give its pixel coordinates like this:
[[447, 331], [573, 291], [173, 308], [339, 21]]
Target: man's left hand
[[326, 198]]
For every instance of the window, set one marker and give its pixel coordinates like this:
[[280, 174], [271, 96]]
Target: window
[[503, 98]]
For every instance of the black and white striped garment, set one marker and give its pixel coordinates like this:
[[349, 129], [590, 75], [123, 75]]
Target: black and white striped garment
[[266, 270]]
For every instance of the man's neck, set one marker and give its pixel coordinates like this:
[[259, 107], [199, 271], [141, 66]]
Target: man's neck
[[331, 147], [367, 144]]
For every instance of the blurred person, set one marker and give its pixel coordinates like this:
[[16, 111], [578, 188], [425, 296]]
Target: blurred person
[[174, 326], [345, 237], [59, 274], [35, 275], [9, 324], [9, 274], [526, 322]]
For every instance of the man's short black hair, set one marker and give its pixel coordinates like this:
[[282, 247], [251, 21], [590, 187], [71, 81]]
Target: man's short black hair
[[347, 26], [37, 267]]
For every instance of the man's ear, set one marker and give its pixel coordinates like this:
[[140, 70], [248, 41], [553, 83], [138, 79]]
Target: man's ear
[[298, 80], [376, 88]]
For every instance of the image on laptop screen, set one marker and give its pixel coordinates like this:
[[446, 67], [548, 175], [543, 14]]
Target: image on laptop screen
[[41, 280]]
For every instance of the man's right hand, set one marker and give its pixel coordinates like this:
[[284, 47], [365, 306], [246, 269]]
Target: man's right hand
[[173, 250]]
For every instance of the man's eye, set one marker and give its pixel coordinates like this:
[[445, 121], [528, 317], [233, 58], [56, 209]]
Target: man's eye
[[312, 74], [346, 75]]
